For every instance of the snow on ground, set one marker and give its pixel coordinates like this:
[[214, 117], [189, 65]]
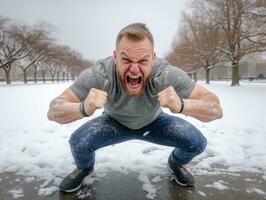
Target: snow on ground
[[16, 193], [220, 185], [37, 148]]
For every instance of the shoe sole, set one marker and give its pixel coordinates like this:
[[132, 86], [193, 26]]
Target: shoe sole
[[75, 189], [181, 184]]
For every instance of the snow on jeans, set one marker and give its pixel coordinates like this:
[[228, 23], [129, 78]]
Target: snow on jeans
[[164, 130]]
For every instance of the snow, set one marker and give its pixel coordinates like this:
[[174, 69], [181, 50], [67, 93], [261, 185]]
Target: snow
[[37, 148], [156, 179], [147, 186], [202, 193], [83, 194], [47, 191], [16, 193], [29, 179], [256, 190], [220, 185]]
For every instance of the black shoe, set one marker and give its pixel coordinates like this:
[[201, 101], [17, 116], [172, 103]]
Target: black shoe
[[74, 180], [181, 175]]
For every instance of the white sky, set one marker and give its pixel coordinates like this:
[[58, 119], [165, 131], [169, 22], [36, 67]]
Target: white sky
[[90, 27]]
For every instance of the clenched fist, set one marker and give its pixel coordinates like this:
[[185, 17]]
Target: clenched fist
[[95, 100], [169, 98]]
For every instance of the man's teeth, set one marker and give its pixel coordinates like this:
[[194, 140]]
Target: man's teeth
[[134, 76]]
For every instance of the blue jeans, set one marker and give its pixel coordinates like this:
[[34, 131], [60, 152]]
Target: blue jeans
[[164, 130]]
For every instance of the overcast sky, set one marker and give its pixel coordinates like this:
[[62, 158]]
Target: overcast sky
[[90, 27]]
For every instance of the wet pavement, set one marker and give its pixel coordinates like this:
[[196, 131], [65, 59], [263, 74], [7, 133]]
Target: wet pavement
[[117, 186]]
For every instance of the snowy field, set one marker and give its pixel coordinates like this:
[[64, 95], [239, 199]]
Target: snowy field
[[38, 149]]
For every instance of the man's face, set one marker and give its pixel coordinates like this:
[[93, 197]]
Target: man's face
[[134, 62]]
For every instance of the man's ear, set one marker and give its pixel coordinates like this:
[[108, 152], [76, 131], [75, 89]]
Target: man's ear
[[153, 57], [114, 57]]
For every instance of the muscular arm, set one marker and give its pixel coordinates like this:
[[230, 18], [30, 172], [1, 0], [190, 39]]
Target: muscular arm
[[201, 104], [64, 108]]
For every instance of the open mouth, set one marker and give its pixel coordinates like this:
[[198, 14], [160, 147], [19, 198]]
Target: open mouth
[[134, 81]]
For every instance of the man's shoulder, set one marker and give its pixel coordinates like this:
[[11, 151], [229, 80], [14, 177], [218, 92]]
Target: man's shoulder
[[103, 64], [163, 66], [161, 63]]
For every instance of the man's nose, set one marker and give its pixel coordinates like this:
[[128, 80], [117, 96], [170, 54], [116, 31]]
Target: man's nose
[[134, 69]]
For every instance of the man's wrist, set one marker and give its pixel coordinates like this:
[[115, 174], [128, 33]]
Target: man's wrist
[[82, 109], [182, 105]]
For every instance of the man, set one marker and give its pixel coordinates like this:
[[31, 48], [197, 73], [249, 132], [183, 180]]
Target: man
[[132, 86]]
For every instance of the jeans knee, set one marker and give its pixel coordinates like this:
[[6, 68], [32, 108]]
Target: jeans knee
[[77, 141], [199, 146], [74, 138]]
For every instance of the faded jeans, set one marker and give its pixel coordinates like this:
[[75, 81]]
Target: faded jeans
[[164, 130]]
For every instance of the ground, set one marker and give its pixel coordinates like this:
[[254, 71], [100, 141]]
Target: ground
[[126, 186], [35, 155]]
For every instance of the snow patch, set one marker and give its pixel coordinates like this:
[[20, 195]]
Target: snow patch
[[84, 193], [202, 193], [256, 190], [29, 179], [220, 185], [47, 191], [147, 186], [156, 179], [16, 193]]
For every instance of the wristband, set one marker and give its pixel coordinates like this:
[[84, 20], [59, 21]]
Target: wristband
[[182, 105], [82, 110]]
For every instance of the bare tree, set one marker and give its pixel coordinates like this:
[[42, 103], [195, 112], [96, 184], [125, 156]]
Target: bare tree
[[204, 37], [12, 48], [17, 42], [182, 53], [243, 23], [42, 65]]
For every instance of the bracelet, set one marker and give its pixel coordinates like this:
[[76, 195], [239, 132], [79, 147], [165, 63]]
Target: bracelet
[[182, 105], [82, 110]]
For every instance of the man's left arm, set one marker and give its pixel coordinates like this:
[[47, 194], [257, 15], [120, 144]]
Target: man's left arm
[[201, 103]]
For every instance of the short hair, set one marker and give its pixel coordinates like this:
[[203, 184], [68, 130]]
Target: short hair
[[135, 32]]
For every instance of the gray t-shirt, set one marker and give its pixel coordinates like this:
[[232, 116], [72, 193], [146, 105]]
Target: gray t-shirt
[[133, 112]]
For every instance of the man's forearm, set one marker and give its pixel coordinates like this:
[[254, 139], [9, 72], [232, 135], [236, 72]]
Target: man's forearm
[[203, 110], [63, 112]]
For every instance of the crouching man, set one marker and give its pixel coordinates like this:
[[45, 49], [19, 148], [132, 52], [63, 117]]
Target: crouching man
[[132, 86]]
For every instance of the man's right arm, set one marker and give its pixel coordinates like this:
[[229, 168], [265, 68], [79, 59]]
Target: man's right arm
[[65, 108]]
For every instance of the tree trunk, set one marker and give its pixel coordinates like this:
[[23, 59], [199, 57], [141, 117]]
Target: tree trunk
[[35, 73], [57, 76], [67, 76], [43, 77], [7, 73], [235, 75], [64, 76], [52, 78], [25, 76], [195, 76], [207, 76]]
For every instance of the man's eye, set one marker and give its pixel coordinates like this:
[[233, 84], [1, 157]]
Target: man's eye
[[126, 61], [143, 62]]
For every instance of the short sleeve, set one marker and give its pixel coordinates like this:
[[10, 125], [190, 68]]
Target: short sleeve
[[84, 83], [176, 77]]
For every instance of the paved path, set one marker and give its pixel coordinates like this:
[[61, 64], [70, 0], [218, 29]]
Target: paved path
[[115, 186]]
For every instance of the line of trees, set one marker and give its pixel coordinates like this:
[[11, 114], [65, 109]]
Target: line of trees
[[217, 32], [33, 49]]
